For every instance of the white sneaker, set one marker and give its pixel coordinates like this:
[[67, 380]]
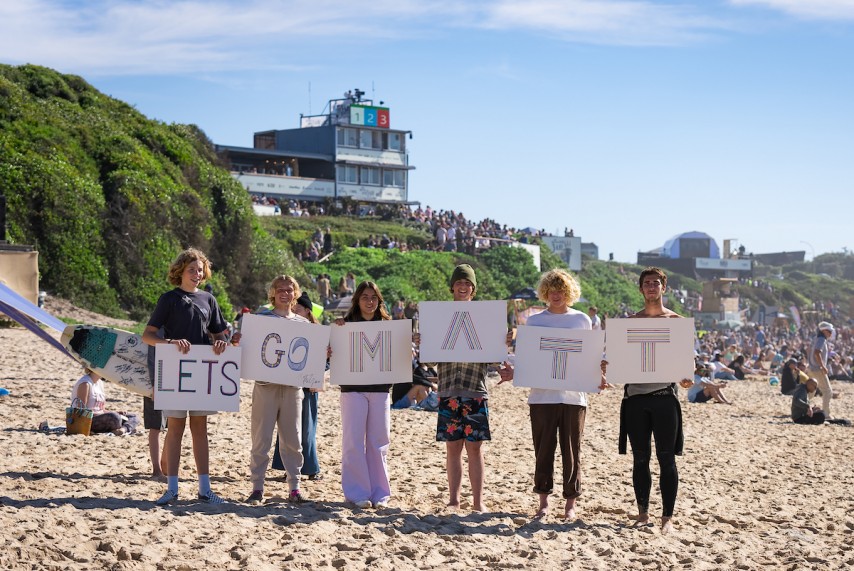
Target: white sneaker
[[363, 504], [167, 498]]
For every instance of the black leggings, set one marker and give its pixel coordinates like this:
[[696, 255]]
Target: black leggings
[[658, 416]]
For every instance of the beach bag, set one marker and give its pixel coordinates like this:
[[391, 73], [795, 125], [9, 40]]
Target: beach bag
[[78, 418]]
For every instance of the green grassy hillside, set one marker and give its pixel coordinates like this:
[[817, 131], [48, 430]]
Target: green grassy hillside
[[108, 197]]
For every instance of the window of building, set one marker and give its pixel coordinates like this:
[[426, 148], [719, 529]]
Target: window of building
[[393, 141], [370, 139], [348, 174], [266, 140], [348, 137], [394, 178], [370, 175]]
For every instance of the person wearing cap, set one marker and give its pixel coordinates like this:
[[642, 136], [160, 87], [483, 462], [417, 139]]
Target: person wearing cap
[[463, 419], [704, 389], [817, 367], [802, 411]]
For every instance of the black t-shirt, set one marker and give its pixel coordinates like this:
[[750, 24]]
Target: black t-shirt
[[190, 316]]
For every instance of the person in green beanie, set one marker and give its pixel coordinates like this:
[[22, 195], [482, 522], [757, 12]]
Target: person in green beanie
[[463, 419]]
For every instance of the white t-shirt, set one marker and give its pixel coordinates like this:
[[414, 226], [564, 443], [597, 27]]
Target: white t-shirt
[[572, 319], [97, 399]]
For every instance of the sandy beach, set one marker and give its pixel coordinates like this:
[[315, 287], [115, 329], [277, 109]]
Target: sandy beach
[[756, 491]]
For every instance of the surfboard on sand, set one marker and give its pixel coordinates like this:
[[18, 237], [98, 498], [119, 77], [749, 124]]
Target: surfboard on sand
[[118, 356]]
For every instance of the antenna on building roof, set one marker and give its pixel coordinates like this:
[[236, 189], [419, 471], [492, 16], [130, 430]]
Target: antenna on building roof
[[309, 98]]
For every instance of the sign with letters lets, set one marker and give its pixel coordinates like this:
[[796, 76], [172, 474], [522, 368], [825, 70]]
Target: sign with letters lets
[[463, 331], [559, 359], [650, 350], [197, 380], [283, 351], [371, 352]]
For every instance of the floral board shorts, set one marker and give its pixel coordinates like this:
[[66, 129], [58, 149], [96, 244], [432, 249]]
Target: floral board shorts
[[463, 418]]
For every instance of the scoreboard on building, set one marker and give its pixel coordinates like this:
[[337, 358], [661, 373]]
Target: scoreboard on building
[[370, 116]]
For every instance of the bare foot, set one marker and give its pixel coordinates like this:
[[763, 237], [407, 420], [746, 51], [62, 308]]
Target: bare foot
[[544, 507], [158, 477], [666, 526], [641, 519], [478, 508], [454, 506], [569, 509]]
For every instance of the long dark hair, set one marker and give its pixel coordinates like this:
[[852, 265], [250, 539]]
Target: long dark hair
[[355, 314]]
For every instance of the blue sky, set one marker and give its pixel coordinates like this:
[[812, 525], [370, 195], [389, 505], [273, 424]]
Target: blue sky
[[628, 121]]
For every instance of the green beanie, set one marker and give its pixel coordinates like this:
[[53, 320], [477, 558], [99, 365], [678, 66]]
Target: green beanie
[[463, 272]]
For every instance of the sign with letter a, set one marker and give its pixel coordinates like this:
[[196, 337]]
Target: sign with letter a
[[650, 350], [197, 380], [463, 331]]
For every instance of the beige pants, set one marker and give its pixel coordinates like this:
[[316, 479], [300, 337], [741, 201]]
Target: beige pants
[[272, 406], [824, 387]]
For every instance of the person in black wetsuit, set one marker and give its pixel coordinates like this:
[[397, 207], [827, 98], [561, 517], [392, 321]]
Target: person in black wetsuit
[[652, 410]]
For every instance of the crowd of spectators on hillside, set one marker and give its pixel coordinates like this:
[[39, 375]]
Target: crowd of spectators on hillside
[[764, 349]]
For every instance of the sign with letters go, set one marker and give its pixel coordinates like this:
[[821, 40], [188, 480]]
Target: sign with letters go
[[371, 352], [559, 359], [283, 351], [463, 331], [650, 350], [197, 380]]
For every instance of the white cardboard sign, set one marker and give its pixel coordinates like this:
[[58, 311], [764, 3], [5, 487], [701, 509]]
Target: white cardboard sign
[[371, 352], [463, 332], [197, 380], [650, 350], [283, 351], [559, 359]]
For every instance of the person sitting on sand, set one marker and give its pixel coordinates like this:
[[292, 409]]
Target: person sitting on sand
[[704, 389], [421, 392], [721, 371], [89, 390], [802, 411], [740, 370]]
